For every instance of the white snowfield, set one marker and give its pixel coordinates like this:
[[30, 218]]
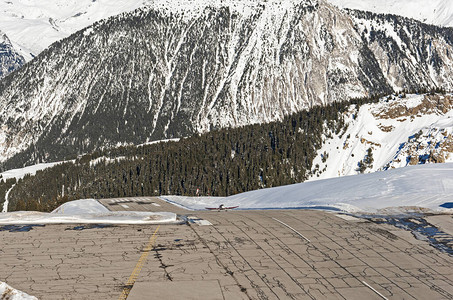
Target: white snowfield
[[9, 293], [33, 25], [86, 211], [412, 189], [437, 12]]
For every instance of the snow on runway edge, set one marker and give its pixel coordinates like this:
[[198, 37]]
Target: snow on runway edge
[[10, 293], [423, 188], [86, 211]]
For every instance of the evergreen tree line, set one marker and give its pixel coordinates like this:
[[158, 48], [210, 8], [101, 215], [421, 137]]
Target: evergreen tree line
[[219, 163]]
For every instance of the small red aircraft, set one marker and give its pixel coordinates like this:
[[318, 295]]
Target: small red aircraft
[[222, 207]]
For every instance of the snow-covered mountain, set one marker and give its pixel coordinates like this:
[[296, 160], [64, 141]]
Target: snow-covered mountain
[[177, 68], [396, 132], [32, 25], [437, 12], [10, 59]]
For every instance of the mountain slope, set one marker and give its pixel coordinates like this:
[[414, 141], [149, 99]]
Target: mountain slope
[[396, 132], [155, 74], [234, 160], [436, 12], [10, 59]]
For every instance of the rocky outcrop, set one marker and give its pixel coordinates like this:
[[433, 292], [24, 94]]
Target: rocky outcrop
[[399, 130], [429, 104], [10, 59]]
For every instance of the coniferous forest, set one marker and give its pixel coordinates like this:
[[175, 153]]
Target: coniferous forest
[[219, 163]]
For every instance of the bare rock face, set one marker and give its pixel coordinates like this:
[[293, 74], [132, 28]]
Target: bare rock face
[[410, 54], [156, 73], [430, 104], [413, 160], [437, 158], [432, 144]]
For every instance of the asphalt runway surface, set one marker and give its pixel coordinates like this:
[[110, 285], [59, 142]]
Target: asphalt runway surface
[[269, 254]]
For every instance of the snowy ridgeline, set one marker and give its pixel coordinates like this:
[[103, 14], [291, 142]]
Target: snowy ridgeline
[[30, 170], [437, 12], [393, 133], [9, 293], [427, 188], [33, 26]]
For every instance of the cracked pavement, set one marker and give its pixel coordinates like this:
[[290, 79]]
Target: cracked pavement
[[242, 255]]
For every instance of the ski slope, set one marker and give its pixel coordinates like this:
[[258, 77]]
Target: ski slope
[[420, 188], [30, 170], [437, 12]]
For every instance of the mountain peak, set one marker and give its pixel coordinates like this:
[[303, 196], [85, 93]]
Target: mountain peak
[[10, 59]]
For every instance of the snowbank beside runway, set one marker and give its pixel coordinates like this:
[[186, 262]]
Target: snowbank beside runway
[[9, 293], [424, 188], [86, 211], [81, 207]]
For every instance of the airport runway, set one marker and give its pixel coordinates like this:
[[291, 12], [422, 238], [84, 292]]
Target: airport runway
[[272, 254]]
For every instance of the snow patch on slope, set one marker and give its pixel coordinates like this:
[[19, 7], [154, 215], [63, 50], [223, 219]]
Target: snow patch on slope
[[399, 132], [21, 172], [6, 203]]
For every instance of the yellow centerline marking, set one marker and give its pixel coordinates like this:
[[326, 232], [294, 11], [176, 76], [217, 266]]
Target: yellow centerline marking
[[138, 267]]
